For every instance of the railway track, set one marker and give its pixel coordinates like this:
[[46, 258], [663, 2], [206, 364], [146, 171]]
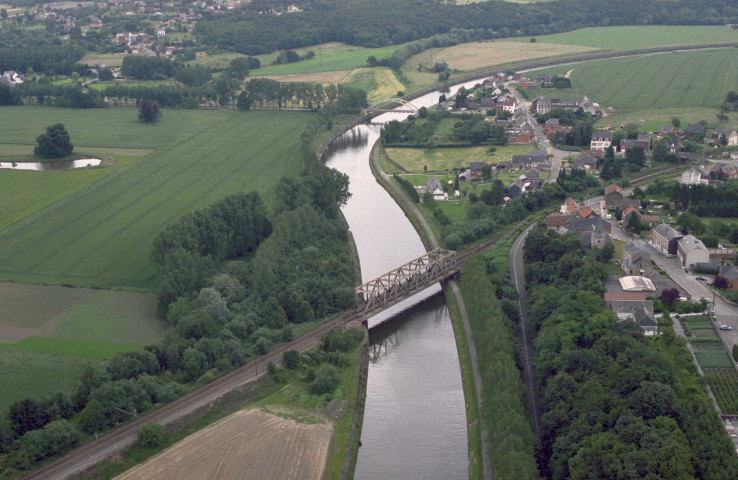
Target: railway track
[[107, 445]]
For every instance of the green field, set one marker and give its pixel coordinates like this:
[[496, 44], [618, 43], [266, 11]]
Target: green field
[[443, 159], [679, 79], [635, 38], [379, 83], [37, 374], [102, 234]]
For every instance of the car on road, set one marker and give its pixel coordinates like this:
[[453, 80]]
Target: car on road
[[726, 327], [702, 279]]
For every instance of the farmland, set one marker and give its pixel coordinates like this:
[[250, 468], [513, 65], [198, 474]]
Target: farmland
[[328, 57], [679, 79], [379, 83], [639, 37], [443, 159], [724, 384], [248, 441], [102, 234]]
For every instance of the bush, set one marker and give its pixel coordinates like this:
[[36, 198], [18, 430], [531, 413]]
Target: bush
[[291, 359], [151, 435], [326, 380]]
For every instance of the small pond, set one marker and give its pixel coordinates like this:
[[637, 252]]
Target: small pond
[[51, 166]]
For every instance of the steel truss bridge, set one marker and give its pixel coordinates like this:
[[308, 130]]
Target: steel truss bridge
[[391, 106], [406, 280]]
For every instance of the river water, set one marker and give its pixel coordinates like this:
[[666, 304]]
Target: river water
[[415, 420]]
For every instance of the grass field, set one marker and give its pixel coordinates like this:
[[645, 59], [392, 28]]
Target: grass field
[[34, 374], [316, 77], [102, 234], [679, 79], [442, 159], [109, 59], [379, 83], [634, 38]]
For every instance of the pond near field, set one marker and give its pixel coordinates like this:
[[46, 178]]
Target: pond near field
[[51, 166]]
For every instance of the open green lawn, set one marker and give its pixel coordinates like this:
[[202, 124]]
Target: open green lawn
[[635, 38], [328, 57], [679, 79], [442, 159], [101, 235], [34, 374]]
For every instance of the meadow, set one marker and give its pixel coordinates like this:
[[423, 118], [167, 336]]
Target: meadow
[[445, 159], [379, 83], [101, 235], [697, 79], [639, 37]]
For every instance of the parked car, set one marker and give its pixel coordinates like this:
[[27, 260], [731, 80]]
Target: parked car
[[702, 279], [726, 327]]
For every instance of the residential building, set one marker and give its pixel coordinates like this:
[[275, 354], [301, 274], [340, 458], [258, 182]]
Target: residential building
[[644, 141], [664, 239], [640, 312], [730, 134], [588, 163], [694, 131], [690, 251], [613, 196], [601, 139], [665, 131], [724, 171], [635, 261], [434, 186], [476, 169], [729, 273], [592, 239], [695, 176]]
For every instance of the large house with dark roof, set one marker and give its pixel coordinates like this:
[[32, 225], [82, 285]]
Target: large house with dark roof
[[664, 239], [635, 261]]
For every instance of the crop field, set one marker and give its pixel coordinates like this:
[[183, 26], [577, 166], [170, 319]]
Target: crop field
[[379, 83], [477, 55], [708, 349], [678, 79], [316, 77], [34, 374], [724, 384], [443, 159], [101, 235], [109, 59], [328, 57], [639, 37], [248, 444]]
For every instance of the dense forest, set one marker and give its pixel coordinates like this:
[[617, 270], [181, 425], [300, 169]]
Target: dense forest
[[616, 404], [707, 200], [386, 22]]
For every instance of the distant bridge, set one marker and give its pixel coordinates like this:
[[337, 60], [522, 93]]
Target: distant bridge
[[392, 105]]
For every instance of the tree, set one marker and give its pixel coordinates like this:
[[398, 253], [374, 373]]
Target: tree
[[149, 111], [105, 74], [55, 143], [633, 223], [3, 14], [676, 123], [151, 435], [669, 296], [735, 352], [291, 359]]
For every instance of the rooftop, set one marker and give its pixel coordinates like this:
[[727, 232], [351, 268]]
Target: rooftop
[[636, 284]]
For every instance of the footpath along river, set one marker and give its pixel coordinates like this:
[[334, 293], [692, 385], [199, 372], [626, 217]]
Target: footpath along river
[[415, 419]]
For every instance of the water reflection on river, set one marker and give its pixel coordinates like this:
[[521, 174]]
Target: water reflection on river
[[415, 420]]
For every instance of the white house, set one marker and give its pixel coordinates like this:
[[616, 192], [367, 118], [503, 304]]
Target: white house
[[601, 139], [695, 176], [691, 251]]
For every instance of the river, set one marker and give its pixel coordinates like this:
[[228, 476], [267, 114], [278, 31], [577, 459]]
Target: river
[[414, 420]]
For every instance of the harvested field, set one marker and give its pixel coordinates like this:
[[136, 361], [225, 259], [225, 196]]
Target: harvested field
[[249, 444], [316, 77], [472, 56]]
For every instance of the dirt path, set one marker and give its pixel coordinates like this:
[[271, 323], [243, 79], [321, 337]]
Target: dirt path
[[249, 444]]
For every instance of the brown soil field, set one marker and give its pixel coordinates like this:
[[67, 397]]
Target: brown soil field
[[318, 77], [25, 309], [471, 56], [249, 444]]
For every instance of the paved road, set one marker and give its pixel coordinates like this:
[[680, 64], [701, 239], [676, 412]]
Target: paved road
[[541, 140], [529, 373]]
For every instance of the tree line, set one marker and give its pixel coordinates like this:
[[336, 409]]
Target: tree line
[[388, 22], [707, 200], [616, 404], [46, 59], [234, 280]]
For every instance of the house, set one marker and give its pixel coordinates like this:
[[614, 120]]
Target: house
[[724, 171], [586, 212], [593, 224], [690, 251], [665, 131], [558, 220], [161, 32], [729, 273], [434, 186], [613, 196], [11, 77], [630, 211], [640, 312], [664, 239], [533, 174], [624, 297], [518, 135], [516, 188], [593, 239], [601, 139], [644, 141], [570, 207], [552, 127], [695, 176], [476, 169], [695, 131], [730, 134], [626, 144], [636, 261], [675, 144], [588, 163]]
